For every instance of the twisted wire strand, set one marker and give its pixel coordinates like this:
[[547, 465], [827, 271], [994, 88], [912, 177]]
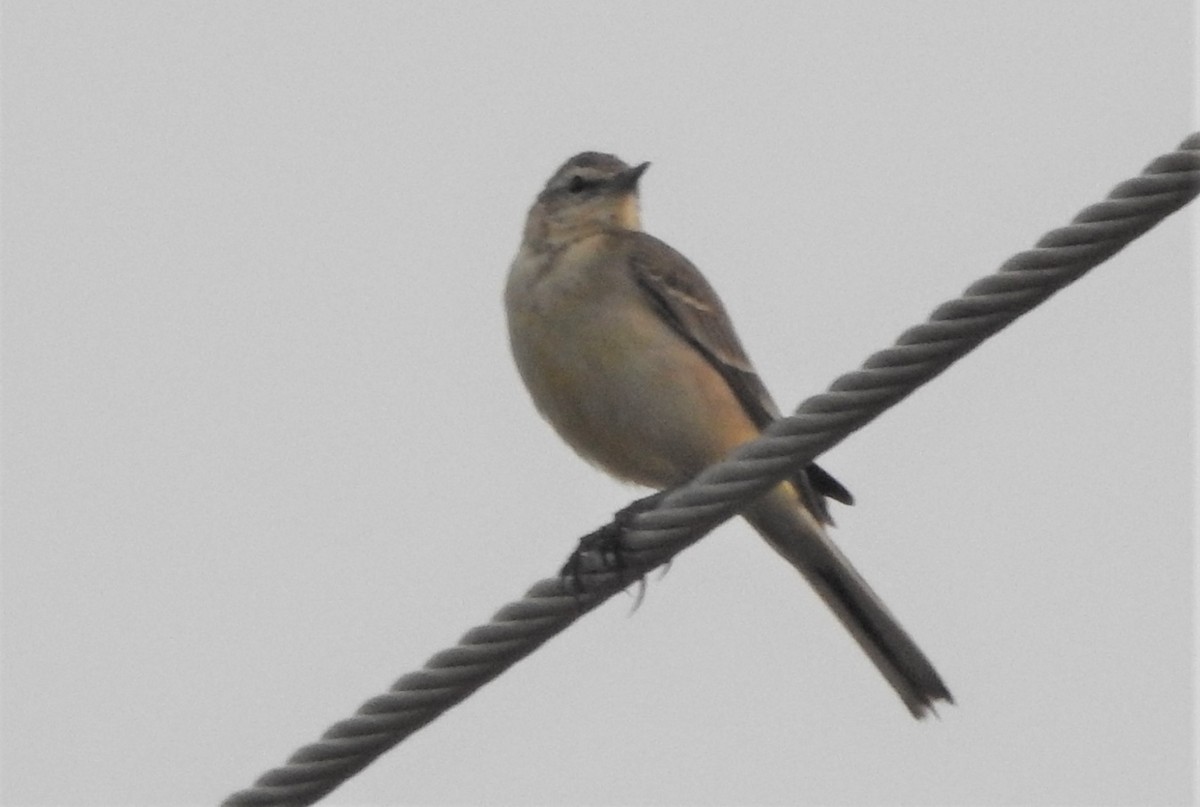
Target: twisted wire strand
[[684, 515]]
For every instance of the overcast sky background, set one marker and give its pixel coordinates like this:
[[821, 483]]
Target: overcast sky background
[[265, 449]]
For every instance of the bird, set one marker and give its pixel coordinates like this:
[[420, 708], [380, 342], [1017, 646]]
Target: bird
[[630, 355]]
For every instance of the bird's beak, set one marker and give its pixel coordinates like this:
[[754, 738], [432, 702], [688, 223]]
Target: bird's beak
[[627, 180]]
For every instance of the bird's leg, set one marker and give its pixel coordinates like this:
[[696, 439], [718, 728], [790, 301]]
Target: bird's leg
[[608, 543]]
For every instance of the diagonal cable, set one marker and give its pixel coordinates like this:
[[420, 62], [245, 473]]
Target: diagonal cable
[[684, 515]]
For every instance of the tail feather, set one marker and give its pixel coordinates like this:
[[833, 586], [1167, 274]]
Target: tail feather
[[801, 540]]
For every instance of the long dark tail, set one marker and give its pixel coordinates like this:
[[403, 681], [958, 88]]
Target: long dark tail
[[802, 541]]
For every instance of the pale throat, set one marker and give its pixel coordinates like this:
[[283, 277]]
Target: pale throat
[[548, 234], [628, 213]]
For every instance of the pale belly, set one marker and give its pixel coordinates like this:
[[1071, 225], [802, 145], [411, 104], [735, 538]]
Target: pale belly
[[620, 386]]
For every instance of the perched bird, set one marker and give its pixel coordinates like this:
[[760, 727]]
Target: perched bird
[[627, 351]]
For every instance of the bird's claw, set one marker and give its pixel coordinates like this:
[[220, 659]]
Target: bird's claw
[[608, 543]]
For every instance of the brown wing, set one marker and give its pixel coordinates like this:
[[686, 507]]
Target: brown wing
[[685, 300]]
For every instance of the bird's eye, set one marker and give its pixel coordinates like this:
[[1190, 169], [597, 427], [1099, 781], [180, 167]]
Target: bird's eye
[[577, 184]]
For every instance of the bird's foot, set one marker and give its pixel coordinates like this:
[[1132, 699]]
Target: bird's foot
[[608, 543]]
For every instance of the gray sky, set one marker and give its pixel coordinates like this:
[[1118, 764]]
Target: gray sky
[[265, 449]]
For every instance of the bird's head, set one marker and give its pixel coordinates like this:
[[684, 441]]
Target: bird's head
[[590, 193]]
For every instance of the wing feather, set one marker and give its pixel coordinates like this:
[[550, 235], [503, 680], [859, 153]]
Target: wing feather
[[686, 301]]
